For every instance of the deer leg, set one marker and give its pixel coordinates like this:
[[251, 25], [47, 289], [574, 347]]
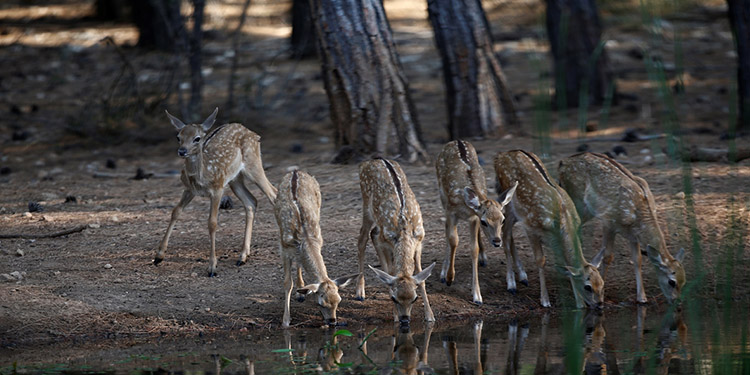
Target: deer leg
[[212, 224], [364, 232], [635, 254], [256, 174], [448, 273], [523, 278], [508, 246], [476, 294], [539, 258], [287, 288], [251, 204], [482, 254], [428, 315], [608, 243], [299, 282], [187, 196], [383, 250]]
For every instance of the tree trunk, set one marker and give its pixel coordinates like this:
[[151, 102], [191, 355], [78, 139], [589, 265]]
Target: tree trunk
[[478, 98], [580, 60], [303, 30], [370, 104], [159, 23], [112, 10], [739, 19], [196, 78]]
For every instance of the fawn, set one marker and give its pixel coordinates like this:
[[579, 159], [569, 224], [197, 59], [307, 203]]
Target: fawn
[[392, 219], [548, 217], [227, 155], [463, 193], [602, 188], [297, 211]]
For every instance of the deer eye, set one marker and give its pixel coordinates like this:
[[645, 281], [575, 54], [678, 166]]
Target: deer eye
[[672, 283], [483, 222], [587, 288], [197, 139]]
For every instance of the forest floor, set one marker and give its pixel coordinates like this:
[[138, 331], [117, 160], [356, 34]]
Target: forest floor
[[64, 120]]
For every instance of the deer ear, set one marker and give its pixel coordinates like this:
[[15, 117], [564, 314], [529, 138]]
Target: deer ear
[[506, 196], [471, 199], [383, 276], [307, 289], [344, 281], [210, 120], [680, 256], [422, 276], [570, 271], [597, 260], [175, 121], [654, 256]]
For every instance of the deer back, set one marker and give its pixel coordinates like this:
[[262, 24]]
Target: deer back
[[297, 211], [457, 168], [391, 205]]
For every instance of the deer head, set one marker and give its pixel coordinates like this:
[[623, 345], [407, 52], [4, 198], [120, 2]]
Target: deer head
[[191, 137], [403, 290]]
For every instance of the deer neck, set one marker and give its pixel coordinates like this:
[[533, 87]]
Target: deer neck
[[650, 234], [194, 165], [313, 263]]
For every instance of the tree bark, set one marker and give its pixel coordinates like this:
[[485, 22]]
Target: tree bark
[[739, 19], [303, 30], [371, 108], [478, 98], [580, 61], [159, 23], [196, 54]]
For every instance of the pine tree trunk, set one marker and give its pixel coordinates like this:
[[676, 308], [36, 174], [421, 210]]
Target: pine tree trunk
[[196, 53], [159, 23], [739, 18], [478, 98], [580, 63], [303, 31], [370, 105]]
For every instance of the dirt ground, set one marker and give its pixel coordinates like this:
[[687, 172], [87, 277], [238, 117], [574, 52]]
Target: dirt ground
[[99, 283]]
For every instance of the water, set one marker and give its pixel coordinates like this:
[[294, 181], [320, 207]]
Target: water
[[621, 341]]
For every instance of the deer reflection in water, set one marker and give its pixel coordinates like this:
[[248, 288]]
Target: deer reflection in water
[[670, 345], [407, 357]]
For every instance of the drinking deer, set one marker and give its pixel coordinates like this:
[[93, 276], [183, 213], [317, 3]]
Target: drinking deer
[[227, 155], [463, 193], [602, 188], [392, 219], [297, 211], [548, 217]]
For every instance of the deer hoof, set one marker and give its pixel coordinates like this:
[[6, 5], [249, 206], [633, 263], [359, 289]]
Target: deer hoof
[[212, 274], [300, 298], [240, 262], [525, 282], [359, 298], [478, 303], [157, 261], [513, 291], [448, 282], [482, 263]]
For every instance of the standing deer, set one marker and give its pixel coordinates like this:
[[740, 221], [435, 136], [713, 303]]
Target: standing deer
[[548, 217], [392, 218], [463, 192], [297, 211], [227, 155], [602, 188]]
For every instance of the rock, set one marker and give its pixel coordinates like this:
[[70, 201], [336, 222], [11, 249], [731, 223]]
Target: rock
[[583, 147], [94, 226], [5, 171], [194, 274], [296, 148], [17, 275], [619, 150], [110, 164], [71, 199], [108, 266], [7, 278], [19, 253], [208, 309], [47, 218], [27, 214]]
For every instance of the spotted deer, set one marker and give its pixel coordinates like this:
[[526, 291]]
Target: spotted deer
[[546, 213], [463, 193], [392, 219], [228, 154], [602, 188], [297, 211]]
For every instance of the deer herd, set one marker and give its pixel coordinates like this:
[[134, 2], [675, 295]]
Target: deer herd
[[550, 213]]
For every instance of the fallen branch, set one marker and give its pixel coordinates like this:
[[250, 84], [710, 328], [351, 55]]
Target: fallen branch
[[629, 136], [48, 235], [714, 154], [98, 174]]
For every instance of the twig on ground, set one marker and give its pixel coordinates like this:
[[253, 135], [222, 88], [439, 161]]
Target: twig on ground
[[77, 229]]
